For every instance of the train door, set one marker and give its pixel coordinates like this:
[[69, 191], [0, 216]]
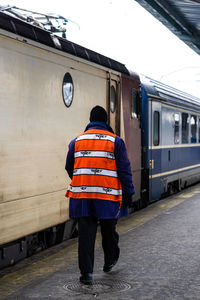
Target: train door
[[154, 150], [114, 103], [131, 122]]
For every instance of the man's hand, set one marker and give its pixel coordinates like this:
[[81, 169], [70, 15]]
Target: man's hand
[[127, 200]]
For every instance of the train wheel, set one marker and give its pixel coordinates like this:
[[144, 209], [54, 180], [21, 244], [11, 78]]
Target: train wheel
[[50, 237], [170, 189]]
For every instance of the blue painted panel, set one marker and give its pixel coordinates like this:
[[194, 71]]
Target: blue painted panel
[[179, 158], [156, 157], [157, 189]]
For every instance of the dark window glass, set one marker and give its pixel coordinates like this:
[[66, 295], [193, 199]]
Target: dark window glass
[[156, 128], [68, 89], [185, 128], [176, 128], [113, 99], [193, 126], [135, 102]]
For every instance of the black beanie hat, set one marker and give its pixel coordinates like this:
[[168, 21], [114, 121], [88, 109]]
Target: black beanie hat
[[98, 113]]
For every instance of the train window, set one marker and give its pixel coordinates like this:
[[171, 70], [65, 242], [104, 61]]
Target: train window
[[193, 126], [176, 128], [68, 89], [135, 102], [185, 128], [156, 128], [199, 130], [113, 99]]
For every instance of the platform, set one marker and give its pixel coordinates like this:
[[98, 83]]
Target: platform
[[160, 259]]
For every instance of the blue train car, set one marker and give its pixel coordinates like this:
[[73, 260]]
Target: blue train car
[[171, 138]]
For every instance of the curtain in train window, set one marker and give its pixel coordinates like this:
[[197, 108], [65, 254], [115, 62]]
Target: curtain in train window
[[176, 128], [185, 128], [156, 128], [193, 126]]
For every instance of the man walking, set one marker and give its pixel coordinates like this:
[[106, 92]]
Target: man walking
[[100, 191]]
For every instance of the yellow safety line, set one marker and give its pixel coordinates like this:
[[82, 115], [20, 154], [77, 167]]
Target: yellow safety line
[[13, 282]]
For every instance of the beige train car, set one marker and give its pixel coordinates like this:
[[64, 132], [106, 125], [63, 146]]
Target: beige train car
[[46, 95]]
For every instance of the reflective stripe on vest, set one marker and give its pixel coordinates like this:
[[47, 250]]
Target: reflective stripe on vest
[[95, 172]]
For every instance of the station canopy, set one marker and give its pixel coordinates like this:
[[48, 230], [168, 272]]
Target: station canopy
[[182, 17]]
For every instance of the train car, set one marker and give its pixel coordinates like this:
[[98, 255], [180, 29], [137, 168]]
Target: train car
[[171, 139], [48, 87]]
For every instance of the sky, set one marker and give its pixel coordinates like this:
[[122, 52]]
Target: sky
[[126, 32]]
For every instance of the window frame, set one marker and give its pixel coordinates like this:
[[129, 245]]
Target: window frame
[[67, 79], [176, 137], [186, 128], [113, 99], [135, 104], [191, 127], [156, 134]]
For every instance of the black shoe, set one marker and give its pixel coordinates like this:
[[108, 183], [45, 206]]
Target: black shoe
[[86, 278], [108, 268]]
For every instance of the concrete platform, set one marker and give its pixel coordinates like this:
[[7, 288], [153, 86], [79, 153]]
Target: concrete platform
[[160, 259]]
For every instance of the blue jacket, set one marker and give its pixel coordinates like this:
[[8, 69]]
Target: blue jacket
[[99, 208]]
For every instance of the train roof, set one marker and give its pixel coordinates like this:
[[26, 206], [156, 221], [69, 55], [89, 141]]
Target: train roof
[[35, 33], [166, 93]]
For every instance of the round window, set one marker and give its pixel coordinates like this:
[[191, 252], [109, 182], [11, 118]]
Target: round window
[[113, 99], [68, 89]]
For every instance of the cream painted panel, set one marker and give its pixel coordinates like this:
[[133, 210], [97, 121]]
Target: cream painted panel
[[50, 55], [22, 217], [36, 128]]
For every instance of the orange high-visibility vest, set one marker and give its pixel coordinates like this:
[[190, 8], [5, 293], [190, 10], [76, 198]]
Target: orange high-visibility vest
[[95, 172]]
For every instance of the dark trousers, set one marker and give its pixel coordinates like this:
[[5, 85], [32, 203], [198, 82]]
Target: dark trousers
[[87, 228]]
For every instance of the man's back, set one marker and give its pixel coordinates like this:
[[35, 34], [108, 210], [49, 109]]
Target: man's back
[[95, 172]]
